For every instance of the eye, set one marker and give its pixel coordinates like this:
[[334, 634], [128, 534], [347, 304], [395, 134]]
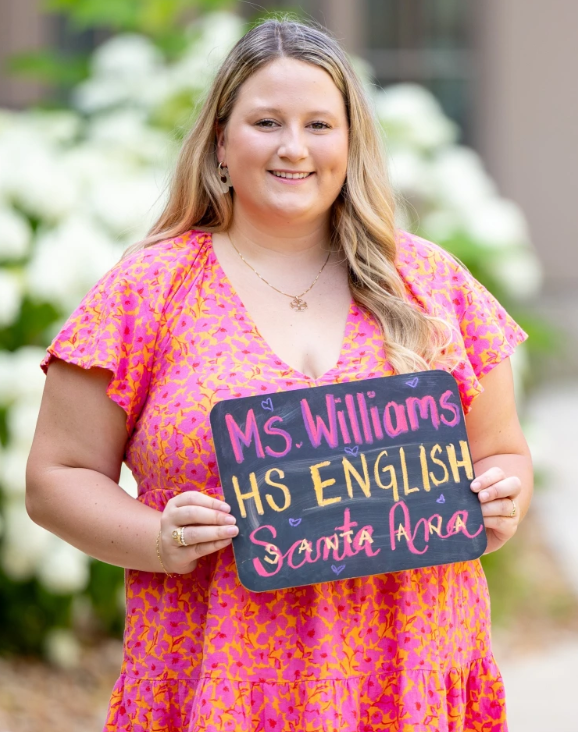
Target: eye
[[320, 126], [268, 123]]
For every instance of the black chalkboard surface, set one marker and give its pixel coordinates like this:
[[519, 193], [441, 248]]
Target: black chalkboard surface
[[348, 480]]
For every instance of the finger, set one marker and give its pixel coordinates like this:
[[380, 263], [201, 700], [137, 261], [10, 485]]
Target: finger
[[204, 534], [208, 547], [487, 478], [186, 515], [507, 488], [500, 507], [503, 526], [196, 498]]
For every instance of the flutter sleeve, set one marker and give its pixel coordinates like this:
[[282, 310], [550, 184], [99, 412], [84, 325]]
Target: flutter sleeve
[[442, 286], [117, 324]]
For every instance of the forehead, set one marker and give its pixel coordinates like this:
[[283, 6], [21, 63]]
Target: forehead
[[286, 82]]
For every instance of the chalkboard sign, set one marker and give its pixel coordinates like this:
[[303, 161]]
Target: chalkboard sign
[[348, 480]]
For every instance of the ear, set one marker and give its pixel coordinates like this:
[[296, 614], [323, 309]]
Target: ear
[[220, 131]]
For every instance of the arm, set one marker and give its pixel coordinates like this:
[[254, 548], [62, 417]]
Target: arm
[[72, 489], [501, 457]]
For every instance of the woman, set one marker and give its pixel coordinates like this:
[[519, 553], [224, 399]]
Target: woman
[[275, 266]]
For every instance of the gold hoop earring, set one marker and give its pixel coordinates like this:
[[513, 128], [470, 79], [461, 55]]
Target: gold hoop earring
[[224, 178]]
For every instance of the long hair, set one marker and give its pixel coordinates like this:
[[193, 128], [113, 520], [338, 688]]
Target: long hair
[[362, 216]]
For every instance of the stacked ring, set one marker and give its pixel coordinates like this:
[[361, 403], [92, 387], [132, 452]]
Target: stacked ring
[[514, 508], [179, 536]]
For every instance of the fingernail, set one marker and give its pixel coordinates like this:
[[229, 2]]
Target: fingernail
[[231, 531], [230, 520], [484, 495], [224, 506], [476, 484]]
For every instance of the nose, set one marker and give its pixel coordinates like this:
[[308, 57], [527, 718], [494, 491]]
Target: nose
[[292, 144]]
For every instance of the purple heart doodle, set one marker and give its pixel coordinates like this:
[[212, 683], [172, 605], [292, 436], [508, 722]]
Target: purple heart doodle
[[298, 444], [352, 450], [441, 499], [338, 570], [412, 382], [295, 522], [267, 404], [371, 394]]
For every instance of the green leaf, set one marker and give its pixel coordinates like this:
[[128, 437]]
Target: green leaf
[[50, 67]]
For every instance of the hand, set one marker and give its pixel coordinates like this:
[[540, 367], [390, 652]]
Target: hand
[[208, 527], [498, 496]]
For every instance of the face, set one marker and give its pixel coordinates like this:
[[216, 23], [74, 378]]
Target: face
[[286, 143]]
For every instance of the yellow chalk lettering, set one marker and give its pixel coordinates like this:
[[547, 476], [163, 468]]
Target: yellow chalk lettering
[[254, 494], [437, 529], [392, 476], [275, 552], [363, 482], [331, 542], [423, 462], [433, 452], [465, 462], [305, 546], [459, 524], [364, 537], [406, 489], [319, 484], [401, 532], [286, 494], [346, 535]]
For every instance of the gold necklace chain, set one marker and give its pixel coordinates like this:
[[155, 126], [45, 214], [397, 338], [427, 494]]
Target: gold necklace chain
[[297, 302]]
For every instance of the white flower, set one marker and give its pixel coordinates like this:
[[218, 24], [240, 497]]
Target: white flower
[[459, 179], [22, 418], [10, 297], [62, 649], [25, 543], [13, 470], [518, 271], [130, 137], [21, 377], [123, 70], [62, 126], [440, 225], [496, 223], [127, 55], [68, 261], [409, 173], [15, 234], [63, 568], [127, 481], [33, 176], [6, 374], [411, 115], [127, 205]]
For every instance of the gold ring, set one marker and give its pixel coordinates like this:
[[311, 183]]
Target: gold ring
[[179, 536], [514, 508]]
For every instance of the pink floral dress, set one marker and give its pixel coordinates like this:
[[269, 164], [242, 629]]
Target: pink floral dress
[[403, 652]]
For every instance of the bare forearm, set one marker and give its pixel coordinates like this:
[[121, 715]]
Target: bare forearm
[[90, 511], [512, 465]]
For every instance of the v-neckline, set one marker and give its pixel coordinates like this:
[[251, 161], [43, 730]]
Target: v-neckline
[[223, 277]]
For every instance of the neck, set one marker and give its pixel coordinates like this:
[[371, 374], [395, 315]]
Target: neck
[[297, 240]]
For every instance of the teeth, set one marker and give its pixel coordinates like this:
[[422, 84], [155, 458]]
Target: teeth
[[289, 175]]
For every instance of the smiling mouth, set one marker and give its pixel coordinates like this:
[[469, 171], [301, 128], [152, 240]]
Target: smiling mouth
[[291, 176]]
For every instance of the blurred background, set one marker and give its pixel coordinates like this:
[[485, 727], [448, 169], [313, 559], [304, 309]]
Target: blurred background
[[479, 110]]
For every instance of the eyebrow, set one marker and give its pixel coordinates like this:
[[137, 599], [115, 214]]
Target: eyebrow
[[276, 110]]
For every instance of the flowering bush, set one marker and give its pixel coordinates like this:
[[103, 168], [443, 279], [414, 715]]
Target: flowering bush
[[78, 186]]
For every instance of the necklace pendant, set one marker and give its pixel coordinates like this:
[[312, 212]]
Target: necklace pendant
[[298, 304]]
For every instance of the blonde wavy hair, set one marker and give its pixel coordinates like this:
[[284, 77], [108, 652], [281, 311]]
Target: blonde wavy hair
[[362, 217]]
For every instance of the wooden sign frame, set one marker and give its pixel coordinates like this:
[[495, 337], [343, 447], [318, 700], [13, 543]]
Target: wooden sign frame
[[348, 480]]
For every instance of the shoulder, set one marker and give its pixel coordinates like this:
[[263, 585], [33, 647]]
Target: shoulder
[[151, 274], [162, 261], [432, 276], [417, 256]]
